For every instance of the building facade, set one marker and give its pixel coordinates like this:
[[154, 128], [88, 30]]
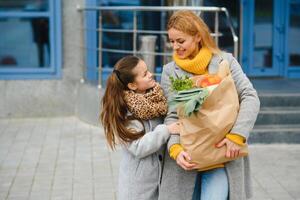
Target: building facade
[[50, 51]]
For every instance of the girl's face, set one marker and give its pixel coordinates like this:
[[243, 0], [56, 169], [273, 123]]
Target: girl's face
[[184, 45], [143, 78]]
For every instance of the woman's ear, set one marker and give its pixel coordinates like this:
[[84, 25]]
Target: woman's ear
[[132, 86]]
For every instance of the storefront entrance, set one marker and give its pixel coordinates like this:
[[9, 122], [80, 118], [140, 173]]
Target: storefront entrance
[[271, 38]]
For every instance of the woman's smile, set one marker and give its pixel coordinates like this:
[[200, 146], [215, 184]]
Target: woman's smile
[[180, 52]]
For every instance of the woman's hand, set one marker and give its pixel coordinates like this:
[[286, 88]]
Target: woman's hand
[[174, 128], [232, 149], [183, 161]]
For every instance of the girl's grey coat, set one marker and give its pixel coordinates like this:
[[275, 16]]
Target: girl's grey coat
[[140, 167], [178, 184]]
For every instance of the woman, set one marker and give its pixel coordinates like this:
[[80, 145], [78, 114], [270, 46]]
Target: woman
[[196, 53]]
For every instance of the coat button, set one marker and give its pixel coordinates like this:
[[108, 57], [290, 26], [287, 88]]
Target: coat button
[[160, 157]]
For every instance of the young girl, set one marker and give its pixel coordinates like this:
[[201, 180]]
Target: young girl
[[196, 53], [132, 109]]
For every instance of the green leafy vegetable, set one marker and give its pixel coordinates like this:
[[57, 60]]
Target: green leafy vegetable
[[191, 100], [181, 83]]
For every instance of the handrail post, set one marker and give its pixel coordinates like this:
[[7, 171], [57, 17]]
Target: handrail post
[[217, 27], [83, 68], [236, 48], [234, 36], [100, 52], [134, 33]]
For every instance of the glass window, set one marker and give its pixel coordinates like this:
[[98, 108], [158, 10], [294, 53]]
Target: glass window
[[225, 40], [24, 42], [30, 39], [116, 20], [293, 35], [263, 34], [24, 5], [146, 39]]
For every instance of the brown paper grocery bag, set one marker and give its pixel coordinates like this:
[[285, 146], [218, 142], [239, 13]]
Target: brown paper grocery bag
[[201, 131]]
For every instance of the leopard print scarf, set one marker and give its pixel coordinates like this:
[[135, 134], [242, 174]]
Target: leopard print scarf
[[147, 106]]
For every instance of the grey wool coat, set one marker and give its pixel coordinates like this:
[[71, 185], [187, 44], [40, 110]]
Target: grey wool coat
[[141, 162], [178, 184]]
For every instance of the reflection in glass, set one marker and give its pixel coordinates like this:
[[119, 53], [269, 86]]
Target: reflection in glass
[[233, 7], [24, 5], [263, 25], [294, 35], [116, 20], [24, 42]]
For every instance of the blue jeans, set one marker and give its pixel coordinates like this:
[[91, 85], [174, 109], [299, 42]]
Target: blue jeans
[[211, 185]]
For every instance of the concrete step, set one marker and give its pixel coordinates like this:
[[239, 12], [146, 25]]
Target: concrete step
[[278, 115], [282, 99], [288, 133]]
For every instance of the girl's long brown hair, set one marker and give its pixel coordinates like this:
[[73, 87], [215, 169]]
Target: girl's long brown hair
[[114, 109], [188, 22]]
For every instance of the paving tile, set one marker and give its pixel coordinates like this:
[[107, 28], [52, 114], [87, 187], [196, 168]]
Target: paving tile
[[64, 158]]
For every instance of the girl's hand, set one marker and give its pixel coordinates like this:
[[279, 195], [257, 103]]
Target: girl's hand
[[183, 160], [174, 128], [232, 151]]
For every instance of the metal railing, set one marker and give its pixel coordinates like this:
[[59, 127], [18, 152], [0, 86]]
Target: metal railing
[[216, 34]]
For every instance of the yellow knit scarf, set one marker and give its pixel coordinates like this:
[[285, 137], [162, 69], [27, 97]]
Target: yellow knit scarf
[[197, 65]]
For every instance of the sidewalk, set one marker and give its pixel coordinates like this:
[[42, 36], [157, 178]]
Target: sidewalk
[[64, 158]]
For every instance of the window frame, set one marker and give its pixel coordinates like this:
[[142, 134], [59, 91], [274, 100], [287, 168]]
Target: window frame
[[55, 34], [91, 43]]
